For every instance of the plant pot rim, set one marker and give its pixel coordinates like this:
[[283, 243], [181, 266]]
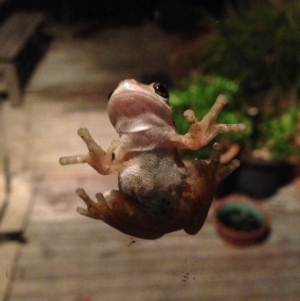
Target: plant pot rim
[[242, 238], [247, 158]]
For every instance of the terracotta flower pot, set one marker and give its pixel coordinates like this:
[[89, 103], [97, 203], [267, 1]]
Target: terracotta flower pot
[[241, 221]]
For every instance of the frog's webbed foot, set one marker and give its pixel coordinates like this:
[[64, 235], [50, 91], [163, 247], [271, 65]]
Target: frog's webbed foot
[[103, 162], [202, 132], [123, 214]]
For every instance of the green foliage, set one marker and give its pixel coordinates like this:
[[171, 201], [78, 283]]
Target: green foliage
[[199, 95], [275, 133], [278, 134], [257, 41]]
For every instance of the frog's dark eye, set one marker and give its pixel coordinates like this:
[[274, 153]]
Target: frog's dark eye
[[161, 90]]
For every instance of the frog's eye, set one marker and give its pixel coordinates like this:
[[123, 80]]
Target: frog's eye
[[161, 90]]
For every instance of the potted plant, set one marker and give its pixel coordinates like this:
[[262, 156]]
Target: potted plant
[[241, 221], [256, 45], [270, 157]]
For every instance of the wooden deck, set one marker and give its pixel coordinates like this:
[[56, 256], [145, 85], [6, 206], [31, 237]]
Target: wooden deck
[[69, 257]]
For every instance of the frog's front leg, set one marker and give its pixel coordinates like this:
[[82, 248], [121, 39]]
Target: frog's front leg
[[202, 132], [103, 162]]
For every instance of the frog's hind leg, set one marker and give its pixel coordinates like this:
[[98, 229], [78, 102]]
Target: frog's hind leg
[[94, 210], [118, 211], [203, 180], [221, 171]]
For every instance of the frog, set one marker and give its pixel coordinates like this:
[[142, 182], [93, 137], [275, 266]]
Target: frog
[[158, 193]]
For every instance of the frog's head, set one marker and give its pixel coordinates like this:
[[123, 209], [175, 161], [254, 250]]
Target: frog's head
[[135, 107]]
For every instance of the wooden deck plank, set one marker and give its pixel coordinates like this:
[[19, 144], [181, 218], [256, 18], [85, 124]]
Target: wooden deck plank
[[19, 202], [79, 251], [8, 255], [82, 257], [3, 199], [16, 31], [118, 288]]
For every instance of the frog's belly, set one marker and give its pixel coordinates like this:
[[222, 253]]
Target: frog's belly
[[154, 179]]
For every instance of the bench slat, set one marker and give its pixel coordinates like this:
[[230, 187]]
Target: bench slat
[[16, 212], [16, 31]]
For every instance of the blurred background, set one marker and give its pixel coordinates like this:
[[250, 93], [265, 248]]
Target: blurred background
[[59, 60]]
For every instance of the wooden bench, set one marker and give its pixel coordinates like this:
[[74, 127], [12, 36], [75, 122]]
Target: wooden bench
[[22, 44]]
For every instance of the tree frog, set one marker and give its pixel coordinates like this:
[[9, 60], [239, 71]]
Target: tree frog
[[157, 193]]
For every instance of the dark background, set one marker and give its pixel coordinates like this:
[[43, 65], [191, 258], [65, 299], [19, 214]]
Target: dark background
[[116, 12]]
